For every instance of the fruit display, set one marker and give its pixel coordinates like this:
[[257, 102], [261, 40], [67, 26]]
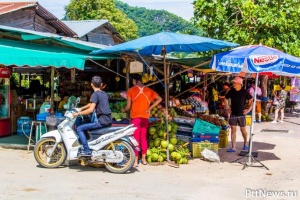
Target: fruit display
[[213, 119], [117, 106], [182, 112], [264, 117], [158, 144], [159, 112]]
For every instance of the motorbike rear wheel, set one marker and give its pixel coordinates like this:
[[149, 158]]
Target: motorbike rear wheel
[[128, 160], [42, 152]]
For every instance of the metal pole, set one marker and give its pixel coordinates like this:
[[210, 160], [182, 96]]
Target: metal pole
[[166, 99], [52, 89], [252, 124]]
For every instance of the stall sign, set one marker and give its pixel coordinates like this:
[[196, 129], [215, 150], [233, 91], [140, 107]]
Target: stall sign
[[136, 67], [4, 72]]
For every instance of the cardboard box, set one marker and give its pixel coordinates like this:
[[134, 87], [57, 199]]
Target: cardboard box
[[198, 147]]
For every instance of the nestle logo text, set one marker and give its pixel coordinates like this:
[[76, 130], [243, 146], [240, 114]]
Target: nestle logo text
[[264, 59]]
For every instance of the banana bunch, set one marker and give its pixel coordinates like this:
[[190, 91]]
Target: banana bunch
[[145, 78]]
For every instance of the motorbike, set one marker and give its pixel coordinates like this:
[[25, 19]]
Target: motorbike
[[111, 146]]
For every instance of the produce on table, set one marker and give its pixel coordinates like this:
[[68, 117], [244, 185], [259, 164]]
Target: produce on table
[[158, 144], [159, 112], [117, 106]]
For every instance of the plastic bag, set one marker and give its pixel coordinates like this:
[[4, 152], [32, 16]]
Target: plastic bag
[[210, 155], [51, 120], [275, 101]]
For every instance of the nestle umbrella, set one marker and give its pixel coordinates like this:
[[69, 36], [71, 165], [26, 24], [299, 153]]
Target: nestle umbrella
[[255, 59]]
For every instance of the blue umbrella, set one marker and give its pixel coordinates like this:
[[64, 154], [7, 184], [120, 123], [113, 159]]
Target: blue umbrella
[[173, 42], [255, 59]]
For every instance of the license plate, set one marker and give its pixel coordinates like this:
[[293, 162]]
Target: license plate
[[133, 141]]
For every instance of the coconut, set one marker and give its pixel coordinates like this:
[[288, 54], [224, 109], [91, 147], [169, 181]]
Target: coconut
[[157, 142], [164, 143], [171, 147], [173, 140], [149, 152], [154, 157], [160, 158]]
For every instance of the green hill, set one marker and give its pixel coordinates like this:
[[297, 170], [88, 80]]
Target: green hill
[[153, 21]]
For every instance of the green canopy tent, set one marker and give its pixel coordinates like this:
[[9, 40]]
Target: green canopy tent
[[27, 54], [19, 53]]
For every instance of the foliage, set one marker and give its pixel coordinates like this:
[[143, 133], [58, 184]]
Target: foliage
[[25, 81], [271, 23], [102, 9], [154, 21]]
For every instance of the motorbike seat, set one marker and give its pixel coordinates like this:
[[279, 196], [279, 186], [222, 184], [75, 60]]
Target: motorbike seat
[[101, 131]]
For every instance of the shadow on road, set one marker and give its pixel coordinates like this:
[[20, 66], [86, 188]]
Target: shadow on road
[[257, 147]]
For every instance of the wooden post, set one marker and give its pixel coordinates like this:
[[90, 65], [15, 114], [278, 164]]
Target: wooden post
[[52, 89], [127, 64]]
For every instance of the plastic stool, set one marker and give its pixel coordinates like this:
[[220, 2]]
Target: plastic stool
[[37, 124]]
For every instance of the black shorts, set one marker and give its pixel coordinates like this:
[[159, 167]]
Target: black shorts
[[237, 120]]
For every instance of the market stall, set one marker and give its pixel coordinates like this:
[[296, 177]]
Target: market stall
[[163, 43]]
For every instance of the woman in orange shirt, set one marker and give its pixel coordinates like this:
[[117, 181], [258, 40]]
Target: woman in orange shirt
[[139, 99]]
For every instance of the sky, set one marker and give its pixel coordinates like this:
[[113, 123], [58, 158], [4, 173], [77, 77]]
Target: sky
[[182, 8]]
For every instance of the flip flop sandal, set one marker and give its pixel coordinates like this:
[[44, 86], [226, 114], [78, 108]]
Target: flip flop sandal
[[245, 148], [231, 150]]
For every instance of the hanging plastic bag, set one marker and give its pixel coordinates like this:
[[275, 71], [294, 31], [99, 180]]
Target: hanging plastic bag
[[275, 101], [51, 120], [210, 155]]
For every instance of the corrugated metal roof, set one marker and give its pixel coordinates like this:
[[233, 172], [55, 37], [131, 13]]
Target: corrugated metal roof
[[83, 27], [35, 35], [7, 7]]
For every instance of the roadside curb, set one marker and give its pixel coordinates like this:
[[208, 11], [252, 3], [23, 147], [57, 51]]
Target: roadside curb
[[13, 146]]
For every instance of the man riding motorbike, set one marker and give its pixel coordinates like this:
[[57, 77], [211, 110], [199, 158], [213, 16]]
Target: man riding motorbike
[[98, 101]]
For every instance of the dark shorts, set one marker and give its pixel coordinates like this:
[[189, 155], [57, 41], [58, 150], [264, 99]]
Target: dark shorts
[[237, 120]]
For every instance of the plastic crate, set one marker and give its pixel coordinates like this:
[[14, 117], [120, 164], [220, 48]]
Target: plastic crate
[[42, 116], [206, 136], [248, 120], [202, 127], [198, 147], [211, 140]]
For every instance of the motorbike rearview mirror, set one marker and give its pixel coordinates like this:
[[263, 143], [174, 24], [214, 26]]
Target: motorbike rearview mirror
[[77, 101]]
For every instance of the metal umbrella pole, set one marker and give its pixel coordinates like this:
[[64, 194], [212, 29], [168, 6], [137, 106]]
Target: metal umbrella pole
[[250, 158]]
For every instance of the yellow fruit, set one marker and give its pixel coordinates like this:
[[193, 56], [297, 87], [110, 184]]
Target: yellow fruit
[[124, 70]]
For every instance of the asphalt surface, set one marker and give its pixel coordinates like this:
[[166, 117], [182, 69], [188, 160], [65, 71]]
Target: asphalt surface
[[23, 178]]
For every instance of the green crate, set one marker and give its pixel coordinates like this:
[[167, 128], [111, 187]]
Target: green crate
[[202, 127]]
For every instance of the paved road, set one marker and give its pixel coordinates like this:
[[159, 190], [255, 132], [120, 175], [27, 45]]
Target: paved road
[[22, 178]]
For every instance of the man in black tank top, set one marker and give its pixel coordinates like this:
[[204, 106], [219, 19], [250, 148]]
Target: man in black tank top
[[238, 96]]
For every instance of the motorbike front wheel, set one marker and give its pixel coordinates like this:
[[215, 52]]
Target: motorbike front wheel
[[42, 152], [128, 160]]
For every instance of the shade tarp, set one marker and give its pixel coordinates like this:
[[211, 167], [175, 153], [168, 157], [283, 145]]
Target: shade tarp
[[172, 42], [21, 53], [191, 62]]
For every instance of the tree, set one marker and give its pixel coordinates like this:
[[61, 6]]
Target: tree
[[102, 9], [152, 21], [273, 23]]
